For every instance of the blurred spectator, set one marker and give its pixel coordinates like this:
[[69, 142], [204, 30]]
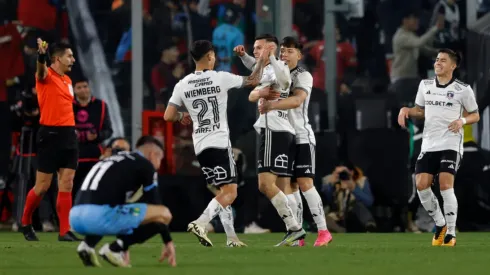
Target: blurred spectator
[[346, 63], [449, 36], [225, 38], [47, 16], [166, 74], [349, 196], [200, 23], [26, 123], [407, 47], [93, 127]]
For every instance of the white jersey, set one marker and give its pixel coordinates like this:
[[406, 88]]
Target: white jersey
[[444, 104], [205, 96], [298, 117], [276, 120]]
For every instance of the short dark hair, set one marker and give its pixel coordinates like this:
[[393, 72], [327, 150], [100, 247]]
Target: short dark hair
[[409, 14], [291, 42], [454, 56], [58, 48], [200, 48], [149, 140], [268, 37], [79, 79], [114, 139]]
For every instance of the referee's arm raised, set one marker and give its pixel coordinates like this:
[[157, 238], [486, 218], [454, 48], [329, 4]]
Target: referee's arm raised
[[41, 68]]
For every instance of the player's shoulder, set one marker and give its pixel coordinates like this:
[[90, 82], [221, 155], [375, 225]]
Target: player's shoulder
[[138, 161], [302, 73], [460, 84]]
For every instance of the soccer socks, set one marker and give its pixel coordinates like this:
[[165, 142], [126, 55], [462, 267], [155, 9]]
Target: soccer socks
[[210, 212], [280, 202], [315, 204], [294, 206], [226, 217], [431, 205], [299, 203], [139, 235], [32, 202], [92, 240], [63, 206], [450, 209]]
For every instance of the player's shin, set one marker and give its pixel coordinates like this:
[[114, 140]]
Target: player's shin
[[431, 204], [211, 211], [299, 203], [315, 205], [226, 217], [280, 202], [450, 210]]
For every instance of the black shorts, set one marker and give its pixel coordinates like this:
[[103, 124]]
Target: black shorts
[[304, 161], [276, 153], [218, 166], [436, 162], [57, 147]]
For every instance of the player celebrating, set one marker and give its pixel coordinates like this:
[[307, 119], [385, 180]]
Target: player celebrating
[[105, 205], [441, 101], [304, 155], [276, 134], [205, 95]]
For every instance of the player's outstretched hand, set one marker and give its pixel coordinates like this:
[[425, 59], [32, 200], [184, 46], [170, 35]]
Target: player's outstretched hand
[[455, 125], [239, 50], [168, 252], [186, 119], [42, 46], [402, 116]]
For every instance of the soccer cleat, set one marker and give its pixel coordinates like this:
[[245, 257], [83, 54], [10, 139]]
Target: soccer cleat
[[298, 243], [69, 237], [235, 243], [29, 233], [292, 236], [449, 240], [114, 258], [200, 233], [438, 238], [87, 255], [324, 238]]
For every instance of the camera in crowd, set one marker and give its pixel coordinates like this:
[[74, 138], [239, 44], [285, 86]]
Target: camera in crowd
[[344, 175]]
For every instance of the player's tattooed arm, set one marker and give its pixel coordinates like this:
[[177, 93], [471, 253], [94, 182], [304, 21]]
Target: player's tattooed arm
[[254, 79], [265, 92]]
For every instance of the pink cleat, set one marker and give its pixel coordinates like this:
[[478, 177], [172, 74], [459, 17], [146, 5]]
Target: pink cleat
[[324, 238], [301, 242]]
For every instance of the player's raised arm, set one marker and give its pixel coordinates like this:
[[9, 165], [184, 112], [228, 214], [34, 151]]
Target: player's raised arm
[[300, 93], [281, 70], [254, 78], [41, 68], [247, 60]]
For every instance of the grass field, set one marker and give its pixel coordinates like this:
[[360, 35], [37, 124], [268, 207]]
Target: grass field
[[348, 254]]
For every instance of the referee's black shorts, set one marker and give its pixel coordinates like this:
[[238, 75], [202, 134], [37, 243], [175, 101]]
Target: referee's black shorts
[[57, 147]]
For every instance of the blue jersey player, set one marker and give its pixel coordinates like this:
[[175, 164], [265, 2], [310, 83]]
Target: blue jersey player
[[107, 204]]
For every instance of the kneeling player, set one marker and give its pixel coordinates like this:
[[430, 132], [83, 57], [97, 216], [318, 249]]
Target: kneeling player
[[105, 205]]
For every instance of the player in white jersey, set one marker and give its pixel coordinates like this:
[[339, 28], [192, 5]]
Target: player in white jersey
[[204, 94], [447, 104], [303, 156], [276, 134]]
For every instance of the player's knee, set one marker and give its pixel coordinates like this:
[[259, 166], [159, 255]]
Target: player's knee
[[167, 216], [423, 181], [264, 186], [65, 184], [305, 184], [446, 181]]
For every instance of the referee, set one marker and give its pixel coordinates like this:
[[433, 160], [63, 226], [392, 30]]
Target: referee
[[56, 139]]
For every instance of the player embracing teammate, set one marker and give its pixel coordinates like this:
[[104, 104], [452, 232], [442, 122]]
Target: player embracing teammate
[[289, 140]]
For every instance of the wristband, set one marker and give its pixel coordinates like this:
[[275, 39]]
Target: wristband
[[165, 233], [41, 58], [464, 120], [181, 116]]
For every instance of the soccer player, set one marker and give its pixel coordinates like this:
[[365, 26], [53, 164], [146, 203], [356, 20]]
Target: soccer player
[[304, 153], [105, 205], [276, 134], [442, 101], [56, 139], [204, 94]]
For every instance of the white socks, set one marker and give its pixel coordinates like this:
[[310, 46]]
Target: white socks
[[450, 209], [294, 206], [280, 202], [213, 209], [315, 204], [431, 205], [226, 217], [299, 201]]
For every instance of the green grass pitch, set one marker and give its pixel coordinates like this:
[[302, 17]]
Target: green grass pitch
[[348, 254]]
